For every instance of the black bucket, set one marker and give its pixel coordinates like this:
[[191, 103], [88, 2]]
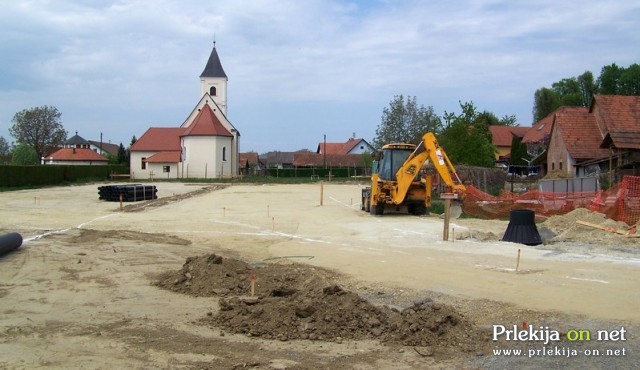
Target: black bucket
[[522, 228]]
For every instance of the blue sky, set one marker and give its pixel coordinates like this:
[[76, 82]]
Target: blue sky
[[298, 69]]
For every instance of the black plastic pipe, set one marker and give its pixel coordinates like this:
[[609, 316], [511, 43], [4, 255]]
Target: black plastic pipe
[[10, 242]]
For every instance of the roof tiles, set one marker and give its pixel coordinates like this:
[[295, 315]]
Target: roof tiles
[[76, 154], [580, 134]]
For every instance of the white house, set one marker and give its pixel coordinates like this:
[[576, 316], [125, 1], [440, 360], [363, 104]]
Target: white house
[[75, 151], [204, 146]]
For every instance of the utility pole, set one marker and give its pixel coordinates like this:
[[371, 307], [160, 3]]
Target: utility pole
[[324, 151]]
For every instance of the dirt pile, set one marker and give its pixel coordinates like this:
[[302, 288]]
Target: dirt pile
[[566, 229], [300, 302]]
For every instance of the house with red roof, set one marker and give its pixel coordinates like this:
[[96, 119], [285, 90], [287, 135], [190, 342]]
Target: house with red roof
[[618, 119], [250, 164], [75, 151], [502, 138], [351, 146], [205, 145], [537, 137], [587, 141], [575, 139]]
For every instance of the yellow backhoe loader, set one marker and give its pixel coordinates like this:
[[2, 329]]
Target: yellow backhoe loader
[[397, 184]]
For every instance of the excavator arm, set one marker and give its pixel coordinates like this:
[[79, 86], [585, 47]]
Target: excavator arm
[[427, 149]]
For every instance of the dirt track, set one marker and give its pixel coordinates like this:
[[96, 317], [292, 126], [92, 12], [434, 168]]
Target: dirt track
[[81, 292]]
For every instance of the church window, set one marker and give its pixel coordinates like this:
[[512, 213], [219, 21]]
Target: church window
[[212, 91], [144, 164], [224, 153]]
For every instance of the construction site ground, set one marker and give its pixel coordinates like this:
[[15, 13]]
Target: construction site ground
[[167, 284]]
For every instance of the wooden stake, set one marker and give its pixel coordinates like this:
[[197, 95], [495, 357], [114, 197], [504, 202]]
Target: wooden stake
[[447, 217], [273, 223], [253, 285], [121, 201], [518, 261], [453, 234], [321, 192], [224, 211]]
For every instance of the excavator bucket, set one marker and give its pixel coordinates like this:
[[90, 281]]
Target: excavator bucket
[[456, 209]]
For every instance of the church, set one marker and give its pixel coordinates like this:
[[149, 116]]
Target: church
[[204, 146]]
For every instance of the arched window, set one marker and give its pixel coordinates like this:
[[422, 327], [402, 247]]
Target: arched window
[[212, 91], [224, 153]]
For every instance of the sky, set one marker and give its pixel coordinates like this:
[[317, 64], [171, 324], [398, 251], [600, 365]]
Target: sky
[[298, 69]]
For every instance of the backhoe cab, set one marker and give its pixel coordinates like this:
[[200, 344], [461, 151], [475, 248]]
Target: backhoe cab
[[399, 183]]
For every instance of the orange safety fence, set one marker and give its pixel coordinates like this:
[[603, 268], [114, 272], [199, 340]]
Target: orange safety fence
[[620, 203]]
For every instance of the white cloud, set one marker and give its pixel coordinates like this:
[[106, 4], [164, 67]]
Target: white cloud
[[136, 59]]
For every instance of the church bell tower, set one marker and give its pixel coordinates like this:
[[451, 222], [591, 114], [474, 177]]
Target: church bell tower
[[213, 80]]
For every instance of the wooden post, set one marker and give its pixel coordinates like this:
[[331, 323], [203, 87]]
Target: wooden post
[[121, 201], [447, 218], [518, 261], [321, 192]]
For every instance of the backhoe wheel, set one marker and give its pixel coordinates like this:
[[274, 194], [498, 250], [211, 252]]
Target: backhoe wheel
[[418, 209], [377, 209]]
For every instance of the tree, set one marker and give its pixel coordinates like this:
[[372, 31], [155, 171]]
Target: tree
[[40, 128], [122, 154], [467, 139], [405, 122], [588, 88], [509, 120], [5, 151], [630, 80], [609, 80], [519, 155], [545, 101], [24, 154]]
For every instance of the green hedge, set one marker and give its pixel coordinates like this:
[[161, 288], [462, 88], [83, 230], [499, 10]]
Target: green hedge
[[37, 175], [322, 173]]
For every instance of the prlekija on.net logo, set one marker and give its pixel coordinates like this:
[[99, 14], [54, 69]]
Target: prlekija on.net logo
[[545, 334]]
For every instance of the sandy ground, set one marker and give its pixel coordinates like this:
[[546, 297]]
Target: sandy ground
[[80, 292]]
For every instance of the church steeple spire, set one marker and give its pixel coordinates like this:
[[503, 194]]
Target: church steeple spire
[[213, 80], [213, 67]]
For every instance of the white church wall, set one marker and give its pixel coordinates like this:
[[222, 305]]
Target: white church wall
[[208, 157]]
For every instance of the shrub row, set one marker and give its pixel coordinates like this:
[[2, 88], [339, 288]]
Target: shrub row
[[322, 173], [37, 175]]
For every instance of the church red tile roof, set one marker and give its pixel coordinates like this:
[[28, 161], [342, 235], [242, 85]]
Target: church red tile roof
[[159, 138], [164, 157], [206, 124]]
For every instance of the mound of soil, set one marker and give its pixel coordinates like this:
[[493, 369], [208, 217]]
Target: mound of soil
[[566, 229], [300, 302]]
